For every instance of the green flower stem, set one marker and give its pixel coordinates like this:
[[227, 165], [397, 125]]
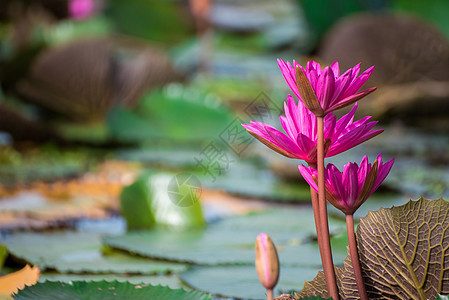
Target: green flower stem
[[328, 266], [355, 257]]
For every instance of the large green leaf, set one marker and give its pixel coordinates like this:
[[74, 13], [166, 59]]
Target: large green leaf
[[242, 281], [175, 114], [403, 252], [83, 290], [79, 253], [171, 281], [155, 20], [232, 241]]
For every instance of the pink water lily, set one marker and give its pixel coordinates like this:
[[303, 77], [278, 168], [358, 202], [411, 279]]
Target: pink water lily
[[333, 91], [300, 125], [350, 189]]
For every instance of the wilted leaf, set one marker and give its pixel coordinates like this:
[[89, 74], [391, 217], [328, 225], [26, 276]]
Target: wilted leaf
[[105, 290], [403, 252], [11, 283]]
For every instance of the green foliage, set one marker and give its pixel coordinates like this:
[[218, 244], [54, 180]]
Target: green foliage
[[442, 297], [242, 281], [135, 206], [154, 20], [148, 202], [173, 115], [403, 252], [322, 14], [105, 290], [43, 163], [231, 241], [3, 255], [80, 253], [171, 281], [434, 11]]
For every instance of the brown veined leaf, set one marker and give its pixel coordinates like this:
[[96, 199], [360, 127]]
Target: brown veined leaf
[[16, 281], [404, 254]]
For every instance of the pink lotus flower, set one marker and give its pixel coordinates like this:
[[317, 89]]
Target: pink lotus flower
[[81, 9], [301, 127], [333, 91], [350, 189]]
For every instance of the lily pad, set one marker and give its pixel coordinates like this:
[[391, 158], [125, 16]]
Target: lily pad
[[170, 281], [71, 252], [105, 290], [173, 115], [242, 281], [230, 242], [245, 179]]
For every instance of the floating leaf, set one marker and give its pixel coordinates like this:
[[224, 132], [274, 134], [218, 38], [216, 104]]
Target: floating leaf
[[172, 115], [242, 281], [403, 252], [170, 281], [105, 290], [80, 253], [11, 283], [231, 241], [155, 20]]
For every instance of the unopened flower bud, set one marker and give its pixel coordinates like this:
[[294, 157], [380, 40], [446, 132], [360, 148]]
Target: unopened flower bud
[[267, 261]]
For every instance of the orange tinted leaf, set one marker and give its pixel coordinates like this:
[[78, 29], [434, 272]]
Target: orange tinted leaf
[[13, 282]]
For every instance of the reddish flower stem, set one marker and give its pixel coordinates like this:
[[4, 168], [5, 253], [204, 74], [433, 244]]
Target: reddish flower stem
[[355, 257], [316, 216], [269, 294], [328, 266]]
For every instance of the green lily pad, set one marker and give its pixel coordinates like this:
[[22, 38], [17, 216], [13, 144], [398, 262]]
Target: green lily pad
[[230, 242], [155, 20], [170, 281], [105, 290], [175, 115], [242, 281], [71, 252], [245, 179]]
